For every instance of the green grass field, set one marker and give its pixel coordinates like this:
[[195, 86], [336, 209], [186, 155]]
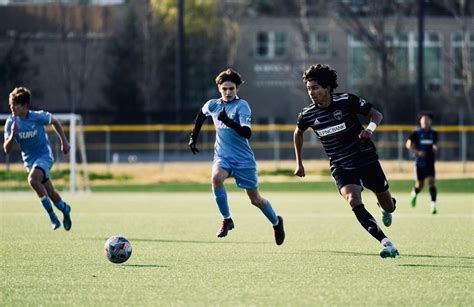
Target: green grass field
[[327, 258]]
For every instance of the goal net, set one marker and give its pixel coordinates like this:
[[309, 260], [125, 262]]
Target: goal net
[[78, 173]]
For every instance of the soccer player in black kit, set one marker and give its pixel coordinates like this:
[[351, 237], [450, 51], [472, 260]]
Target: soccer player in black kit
[[422, 143], [352, 155]]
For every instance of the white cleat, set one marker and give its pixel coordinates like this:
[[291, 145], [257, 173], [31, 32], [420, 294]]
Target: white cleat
[[388, 250]]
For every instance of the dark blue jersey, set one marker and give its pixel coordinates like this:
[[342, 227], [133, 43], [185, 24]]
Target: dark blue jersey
[[338, 128], [423, 140]]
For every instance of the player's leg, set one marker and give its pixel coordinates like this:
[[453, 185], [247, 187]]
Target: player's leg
[[433, 194], [266, 207], [420, 179], [59, 203], [36, 177], [373, 178], [218, 176]]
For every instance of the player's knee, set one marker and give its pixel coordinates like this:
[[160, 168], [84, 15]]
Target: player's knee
[[217, 181], [33, 181], [353, 200], [257, 201]]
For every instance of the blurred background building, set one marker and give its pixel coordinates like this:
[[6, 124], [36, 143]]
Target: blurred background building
[[116, 61]]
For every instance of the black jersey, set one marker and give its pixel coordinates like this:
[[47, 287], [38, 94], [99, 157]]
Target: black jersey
[[423, 140], [338, 128]]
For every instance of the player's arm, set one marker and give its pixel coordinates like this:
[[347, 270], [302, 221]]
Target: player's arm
[[375, 118], [58, 128], [298, 145], [9, 138], [410, 145], [243, 131], [200, 118]]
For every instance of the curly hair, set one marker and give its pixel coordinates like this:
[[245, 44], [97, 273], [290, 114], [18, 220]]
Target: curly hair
[[20, 95], [323, 74], [424, 113], [229, 75]]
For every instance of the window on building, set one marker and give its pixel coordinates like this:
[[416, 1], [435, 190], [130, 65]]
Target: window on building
[[319, 45], [403, 51], [458, 41], [271, 45]]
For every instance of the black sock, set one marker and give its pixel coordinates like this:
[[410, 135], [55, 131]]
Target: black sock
[[368, 222], [433, 193], [417, 190]]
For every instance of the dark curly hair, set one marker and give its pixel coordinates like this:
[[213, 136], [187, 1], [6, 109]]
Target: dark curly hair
[[229, 75], [424, 113], [323, 74]]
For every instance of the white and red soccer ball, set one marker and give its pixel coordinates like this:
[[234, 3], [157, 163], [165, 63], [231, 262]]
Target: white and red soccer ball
[[118, 249]]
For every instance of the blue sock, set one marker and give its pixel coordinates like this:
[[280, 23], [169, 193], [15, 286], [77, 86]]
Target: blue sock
[[269, 213], [47, 205], [220, 194], [60, 205]]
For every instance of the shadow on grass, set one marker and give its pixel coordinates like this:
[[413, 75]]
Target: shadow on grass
[[146, 265], [217, 241], [438, 266], [401, 255]]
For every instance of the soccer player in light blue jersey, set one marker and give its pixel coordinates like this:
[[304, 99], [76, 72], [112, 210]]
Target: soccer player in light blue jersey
[[233, 156], [27, 129]]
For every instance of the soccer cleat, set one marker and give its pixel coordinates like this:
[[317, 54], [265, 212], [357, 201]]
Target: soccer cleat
[[279, 232], [433, 210], [55, 223], [386, 218], [227, 224], [413, 199], [67, 223], [389, 250]]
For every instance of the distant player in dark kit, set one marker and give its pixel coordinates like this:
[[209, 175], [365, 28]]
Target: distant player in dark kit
[[352, 155], [26, 128], [422, 143], [233, 156]]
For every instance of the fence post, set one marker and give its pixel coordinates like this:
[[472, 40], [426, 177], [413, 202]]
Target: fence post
[[400, 149], [72, 154], [107, 149], [464, 151], [161, 148], [276, 146]]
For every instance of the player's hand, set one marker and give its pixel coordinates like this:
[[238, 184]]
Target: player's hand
[[14, 127], [192, 145], [65, 147], [300, 171], [223, 116], [365, 134], [420, 153], [435, 148]]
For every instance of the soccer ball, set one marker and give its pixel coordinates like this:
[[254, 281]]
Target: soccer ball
[[117, 249]]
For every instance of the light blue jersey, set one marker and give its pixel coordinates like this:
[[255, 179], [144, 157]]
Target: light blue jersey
[[32, 138], [231, 150]]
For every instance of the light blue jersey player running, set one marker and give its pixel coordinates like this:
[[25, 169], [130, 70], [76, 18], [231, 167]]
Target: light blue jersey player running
[[27, 129], [233, 156]]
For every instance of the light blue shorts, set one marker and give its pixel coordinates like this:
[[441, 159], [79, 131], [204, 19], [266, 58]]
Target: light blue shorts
[[245, 178], [44, 164]]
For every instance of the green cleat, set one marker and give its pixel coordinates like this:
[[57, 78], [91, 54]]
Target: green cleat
[[434, 211], [413, 201], [67, 223], [389, 250]]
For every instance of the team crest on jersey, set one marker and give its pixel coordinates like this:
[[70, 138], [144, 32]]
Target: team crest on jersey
[[337, 114], [362, 102], [316, 122]]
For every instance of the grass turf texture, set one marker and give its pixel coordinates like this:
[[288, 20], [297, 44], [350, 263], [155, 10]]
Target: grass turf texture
[[443, 186], [327, 259]]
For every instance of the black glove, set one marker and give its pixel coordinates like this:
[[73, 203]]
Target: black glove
[[223, 116], [192, 145]]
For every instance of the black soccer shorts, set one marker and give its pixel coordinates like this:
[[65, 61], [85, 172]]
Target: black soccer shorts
[[423, 172], [370, 176]]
